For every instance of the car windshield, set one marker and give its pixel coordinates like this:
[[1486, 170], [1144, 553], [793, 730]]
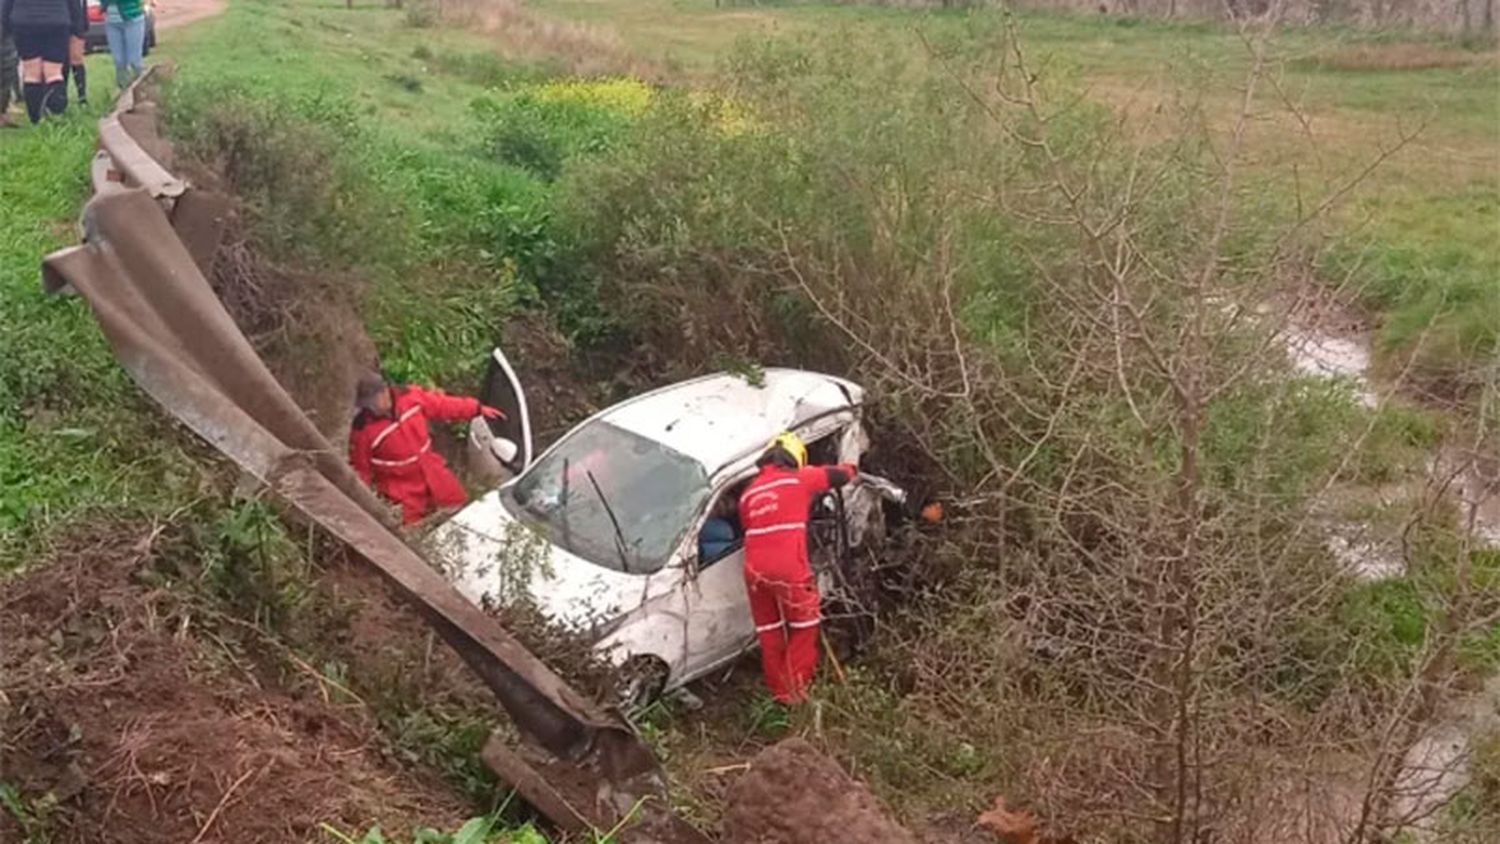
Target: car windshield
[[604, 475]]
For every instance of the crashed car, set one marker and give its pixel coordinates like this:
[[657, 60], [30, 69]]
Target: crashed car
[[626, 529]]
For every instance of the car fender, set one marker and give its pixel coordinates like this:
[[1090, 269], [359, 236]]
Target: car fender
[[650, 630]]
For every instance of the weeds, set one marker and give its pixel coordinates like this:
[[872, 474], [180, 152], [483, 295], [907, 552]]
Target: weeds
[[1042, 333], [32, 815], [474, 831], [540, 128]]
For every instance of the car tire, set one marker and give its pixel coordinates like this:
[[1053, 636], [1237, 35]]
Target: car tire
[[640, 683]]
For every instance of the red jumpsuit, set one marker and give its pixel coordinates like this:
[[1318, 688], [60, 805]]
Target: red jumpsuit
[[394, 453], [784, 599]]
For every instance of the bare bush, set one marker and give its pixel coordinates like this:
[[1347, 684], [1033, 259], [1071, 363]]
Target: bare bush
[[1076, 331]]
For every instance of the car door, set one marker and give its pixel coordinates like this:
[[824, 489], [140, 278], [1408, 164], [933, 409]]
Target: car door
[[719, 623], [500, 448]]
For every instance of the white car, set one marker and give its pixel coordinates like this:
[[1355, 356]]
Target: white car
[[626, 529]]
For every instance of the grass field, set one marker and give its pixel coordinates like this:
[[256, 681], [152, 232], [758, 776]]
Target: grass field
[[74, 434], [1420, 233]]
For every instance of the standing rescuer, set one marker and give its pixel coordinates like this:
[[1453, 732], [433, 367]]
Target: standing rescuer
[[784, 600], [390, 448]]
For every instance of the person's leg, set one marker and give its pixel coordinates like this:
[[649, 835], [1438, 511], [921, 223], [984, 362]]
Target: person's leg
[[57, 87], [33, 87], [770, 630], [79, 69], [135, 46], [10, 77], [802, 608], [114, 35]]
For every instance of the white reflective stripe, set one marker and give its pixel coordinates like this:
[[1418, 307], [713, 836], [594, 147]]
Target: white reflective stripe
[[427, 446], [802, 625], [775, 528], [380, 437], [767, 628], [772, 485]]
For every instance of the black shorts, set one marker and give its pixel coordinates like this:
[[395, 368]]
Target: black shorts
[[48, 43]]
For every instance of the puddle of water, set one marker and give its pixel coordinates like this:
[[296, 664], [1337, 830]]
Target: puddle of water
[[1322, 354], [1363, 557], [1436, 767]]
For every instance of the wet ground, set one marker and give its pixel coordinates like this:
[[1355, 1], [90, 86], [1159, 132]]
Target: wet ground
[[1335, 345]]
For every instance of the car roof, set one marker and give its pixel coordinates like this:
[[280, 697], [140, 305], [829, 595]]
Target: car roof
[[719, 419]]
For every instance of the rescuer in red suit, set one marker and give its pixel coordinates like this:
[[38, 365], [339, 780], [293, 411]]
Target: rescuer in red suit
[[390, 448], [784, 600]]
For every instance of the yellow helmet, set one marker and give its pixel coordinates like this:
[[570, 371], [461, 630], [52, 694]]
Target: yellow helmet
[[791, 444]]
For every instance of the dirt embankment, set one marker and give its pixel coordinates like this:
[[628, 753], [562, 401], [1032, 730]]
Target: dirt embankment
[[793, 794], [131, 714]]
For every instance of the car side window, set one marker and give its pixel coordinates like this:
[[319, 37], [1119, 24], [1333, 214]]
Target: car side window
[[721, 534]]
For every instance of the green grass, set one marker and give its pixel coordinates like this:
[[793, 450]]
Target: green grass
[[449, 235], [1420, 233], [481, 830], [75, 436]]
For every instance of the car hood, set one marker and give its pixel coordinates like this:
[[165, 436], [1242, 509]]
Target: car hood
[[496, 560]]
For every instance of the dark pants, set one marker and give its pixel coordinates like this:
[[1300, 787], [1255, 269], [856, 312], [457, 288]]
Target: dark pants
[[51, 45]]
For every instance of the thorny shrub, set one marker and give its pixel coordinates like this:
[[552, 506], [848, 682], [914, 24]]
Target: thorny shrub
[[1074, 333]]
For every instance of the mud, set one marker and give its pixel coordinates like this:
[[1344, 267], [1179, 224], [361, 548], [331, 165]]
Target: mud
[[793, 794], [127, 717]]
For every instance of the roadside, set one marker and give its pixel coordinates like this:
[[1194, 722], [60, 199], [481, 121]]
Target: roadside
[[171, 14]]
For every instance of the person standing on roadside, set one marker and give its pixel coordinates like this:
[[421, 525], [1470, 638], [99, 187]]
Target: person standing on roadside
[[41, 29], [10, 77], [125, 27]]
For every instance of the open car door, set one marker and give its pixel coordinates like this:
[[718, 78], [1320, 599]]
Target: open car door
[[501, 447]]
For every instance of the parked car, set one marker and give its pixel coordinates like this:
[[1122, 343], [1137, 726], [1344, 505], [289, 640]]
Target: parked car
[[627, 529], [94, 41]]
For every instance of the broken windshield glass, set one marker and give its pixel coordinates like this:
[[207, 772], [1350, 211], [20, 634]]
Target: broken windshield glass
[[653, 491]]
